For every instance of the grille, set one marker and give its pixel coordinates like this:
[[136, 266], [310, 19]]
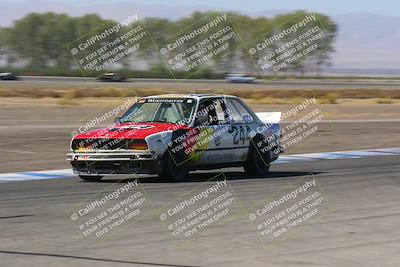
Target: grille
[[100, 144]]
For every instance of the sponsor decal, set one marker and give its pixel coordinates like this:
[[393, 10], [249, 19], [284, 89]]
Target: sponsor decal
[[165, 100]]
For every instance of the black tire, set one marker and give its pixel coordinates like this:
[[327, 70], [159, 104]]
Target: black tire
[[257, 163], [90, 178], [174, 167]]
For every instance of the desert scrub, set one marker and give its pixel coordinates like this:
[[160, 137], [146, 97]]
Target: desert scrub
[[384, 101], [68, 99], [329, 98]]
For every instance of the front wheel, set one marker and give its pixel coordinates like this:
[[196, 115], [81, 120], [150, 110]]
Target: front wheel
[[174, 167], [258, 159], [90, 178]]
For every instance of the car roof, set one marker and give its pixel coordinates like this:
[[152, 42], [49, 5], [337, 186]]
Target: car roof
[[197, 96]]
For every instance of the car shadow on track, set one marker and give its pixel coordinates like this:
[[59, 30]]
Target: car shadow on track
[[216, 176]]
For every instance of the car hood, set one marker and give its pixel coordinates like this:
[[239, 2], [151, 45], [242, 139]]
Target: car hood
[[130, 131]]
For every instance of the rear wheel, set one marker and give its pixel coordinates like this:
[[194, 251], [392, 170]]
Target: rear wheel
[[174, 167], [90, 178], [258, 158]]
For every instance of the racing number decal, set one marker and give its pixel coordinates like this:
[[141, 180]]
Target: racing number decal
[[239, 134]]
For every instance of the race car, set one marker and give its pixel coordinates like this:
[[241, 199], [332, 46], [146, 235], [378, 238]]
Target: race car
[[111, 77], [8, 76], [239, 78], [170, 135]]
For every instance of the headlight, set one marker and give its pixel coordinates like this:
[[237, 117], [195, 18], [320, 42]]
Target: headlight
[[81, 144], [137, 145]]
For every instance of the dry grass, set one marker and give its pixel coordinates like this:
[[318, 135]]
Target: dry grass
[[68, 99], [67, 95], [278, 101], [384, 101], [329, 98], [95, 102]]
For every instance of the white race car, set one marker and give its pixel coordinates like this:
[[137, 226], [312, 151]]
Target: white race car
[[239, 78], [169, 135]]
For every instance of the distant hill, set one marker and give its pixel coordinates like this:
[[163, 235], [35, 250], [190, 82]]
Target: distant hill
[[367, 41]]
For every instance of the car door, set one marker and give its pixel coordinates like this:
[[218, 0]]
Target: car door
[[212, 141], [241, 123]]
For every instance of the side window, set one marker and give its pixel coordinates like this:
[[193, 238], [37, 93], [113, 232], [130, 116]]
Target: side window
[[219, 110], [243, 113], [214, 110], [232, 112]]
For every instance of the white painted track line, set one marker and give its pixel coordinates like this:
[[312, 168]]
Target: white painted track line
[[355, 154]]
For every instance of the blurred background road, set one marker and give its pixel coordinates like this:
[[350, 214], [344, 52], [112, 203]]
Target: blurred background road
[[264, 84]]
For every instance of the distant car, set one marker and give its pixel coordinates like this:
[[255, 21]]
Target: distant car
[[7, 76], [239, 78], [111, 77], [170, 135]]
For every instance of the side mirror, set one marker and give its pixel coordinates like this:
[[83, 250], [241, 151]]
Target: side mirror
[[117, 119]]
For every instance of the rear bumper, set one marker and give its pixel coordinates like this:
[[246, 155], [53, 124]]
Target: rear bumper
[[113, 163]]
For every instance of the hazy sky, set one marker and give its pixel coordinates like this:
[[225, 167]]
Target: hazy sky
[[332, 7]]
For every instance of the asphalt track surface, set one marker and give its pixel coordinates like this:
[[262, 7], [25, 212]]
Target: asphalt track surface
[[262, 84], [359, 229]]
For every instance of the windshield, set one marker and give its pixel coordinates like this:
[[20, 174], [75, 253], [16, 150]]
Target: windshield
[[162, 110]]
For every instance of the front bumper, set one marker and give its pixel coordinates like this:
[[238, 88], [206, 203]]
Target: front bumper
[[106, 162]]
